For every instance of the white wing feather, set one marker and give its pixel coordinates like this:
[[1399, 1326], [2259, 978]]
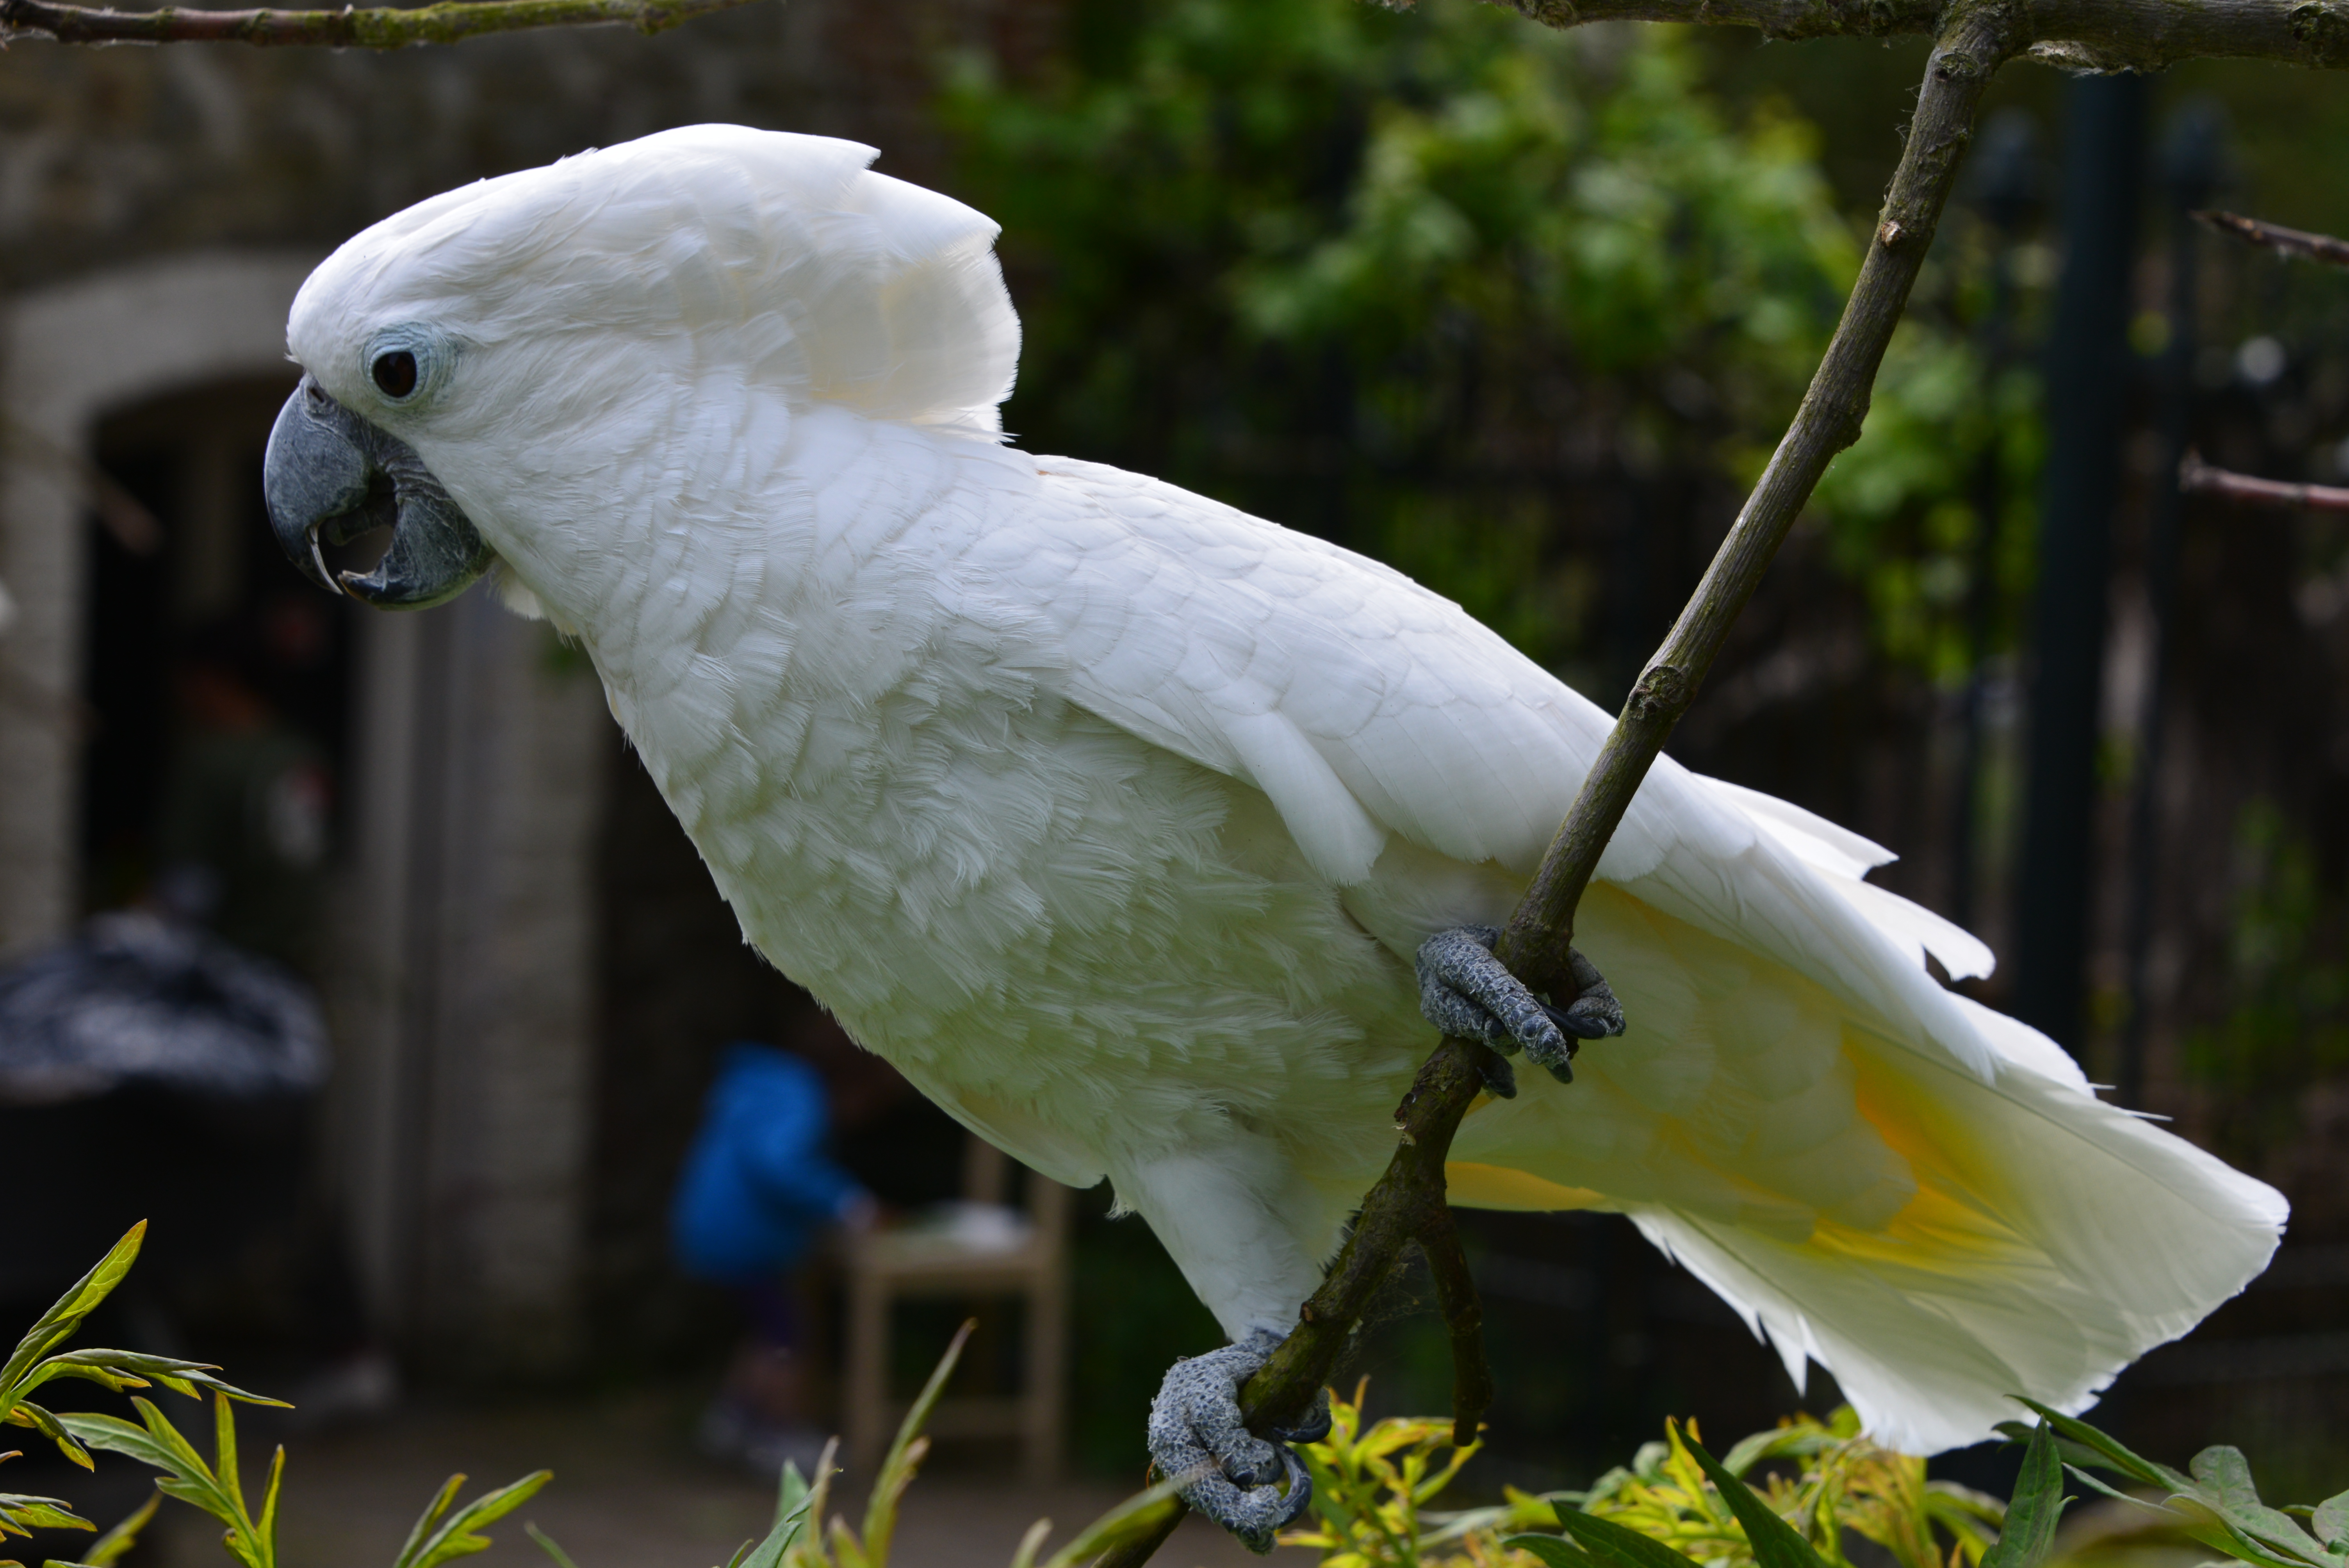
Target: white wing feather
[[1876, 1172]]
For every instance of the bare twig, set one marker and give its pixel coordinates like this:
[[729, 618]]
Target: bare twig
[[376, 27], [1407, 1206], [2196, 476], [2276, 237]]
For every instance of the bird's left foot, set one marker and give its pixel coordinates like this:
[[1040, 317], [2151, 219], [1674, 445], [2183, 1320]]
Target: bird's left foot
[[1228, 1473], [1466, 991]]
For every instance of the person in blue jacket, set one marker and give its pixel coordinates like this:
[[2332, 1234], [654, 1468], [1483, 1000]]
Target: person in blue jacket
[[758, 1190]]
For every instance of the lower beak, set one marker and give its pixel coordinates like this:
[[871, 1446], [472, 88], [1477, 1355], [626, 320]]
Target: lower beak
[[331, 476]]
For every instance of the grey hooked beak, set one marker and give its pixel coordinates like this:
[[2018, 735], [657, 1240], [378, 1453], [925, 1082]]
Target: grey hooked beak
[[330, 475]]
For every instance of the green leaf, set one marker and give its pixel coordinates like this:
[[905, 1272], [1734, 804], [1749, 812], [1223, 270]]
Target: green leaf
[[2109, 1451], [791, 1499], [1775, 1542], [66, 1315], [120, 1369], [21, 1515], [898, 1465], [437, 1540], [1135, 1518], [58, 1432], [1555, 1552], [109, 1548], [2227, 1489], [1616, 1546], [2070, 1452], [2331, 1522], [562, 1559], [2024, 1540], [114, 1434]]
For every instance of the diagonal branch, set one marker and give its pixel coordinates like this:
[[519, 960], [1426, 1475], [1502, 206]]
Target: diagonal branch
[[2276, 237], [1407, 1207], [2196, 476], [378, 27]]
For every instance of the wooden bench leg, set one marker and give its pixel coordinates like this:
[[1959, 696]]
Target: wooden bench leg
[[865, 1412]]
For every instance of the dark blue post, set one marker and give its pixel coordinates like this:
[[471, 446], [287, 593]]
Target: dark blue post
[[2087, 387]]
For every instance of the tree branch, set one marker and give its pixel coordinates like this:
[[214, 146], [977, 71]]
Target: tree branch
[[2276, 237], [1407, 1206], [2083, 35], [378, 27], [2196, 476]]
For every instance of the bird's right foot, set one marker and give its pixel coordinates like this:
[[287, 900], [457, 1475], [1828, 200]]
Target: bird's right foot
[[1467, 993], [1228, 1472]]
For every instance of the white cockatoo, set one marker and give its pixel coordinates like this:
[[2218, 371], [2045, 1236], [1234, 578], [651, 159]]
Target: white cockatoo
[[1118, 820]]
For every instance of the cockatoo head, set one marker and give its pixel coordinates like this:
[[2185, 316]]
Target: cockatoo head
[[494, 370]]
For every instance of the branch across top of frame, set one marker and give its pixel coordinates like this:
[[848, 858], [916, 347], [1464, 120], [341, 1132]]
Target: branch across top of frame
[[375, 27], [2079, 35]]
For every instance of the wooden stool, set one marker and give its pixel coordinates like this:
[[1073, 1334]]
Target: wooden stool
[[889, 1265]]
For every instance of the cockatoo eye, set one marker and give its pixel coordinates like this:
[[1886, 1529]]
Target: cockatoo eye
[[409, 364], [395, 373]]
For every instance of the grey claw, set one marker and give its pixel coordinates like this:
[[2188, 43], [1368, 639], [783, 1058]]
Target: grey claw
[[1466, 991], [1316, 1424], [1195, 1432], [1500, 1078]]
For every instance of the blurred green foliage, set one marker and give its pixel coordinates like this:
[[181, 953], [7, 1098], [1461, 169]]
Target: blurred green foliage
[[1424, 281], [2287, 1020]]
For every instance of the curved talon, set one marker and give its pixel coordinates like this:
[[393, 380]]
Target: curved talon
[[1316, 1424], [1466, 991], [1236, 1476], [1259, 1513]]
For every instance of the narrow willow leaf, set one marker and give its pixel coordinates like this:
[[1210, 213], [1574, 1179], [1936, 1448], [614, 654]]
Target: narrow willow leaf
[[66, 1315], [905, 1453], [562, 1559], [1138, 1516], [1775, 1542], [58, 1431], [1031, 1543], [2109, 1450], [114, 1434], [181, 1377], [2076, 1454], [109, 1548], [422, 1530], [21, 1515], [2029, 1533], [225, 1462], [453, 1536], [791, 1499], [1554, 1552], [1616, 1546]]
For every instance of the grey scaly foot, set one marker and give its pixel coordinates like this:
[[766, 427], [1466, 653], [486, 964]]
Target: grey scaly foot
[[1233, 1475], [1465, 991]]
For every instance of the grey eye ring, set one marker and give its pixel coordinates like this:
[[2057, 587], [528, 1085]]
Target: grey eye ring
[[406, 363]]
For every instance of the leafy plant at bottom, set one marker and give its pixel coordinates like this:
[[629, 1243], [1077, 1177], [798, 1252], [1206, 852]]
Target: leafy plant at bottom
[[36, 1361], [2216, 1504]]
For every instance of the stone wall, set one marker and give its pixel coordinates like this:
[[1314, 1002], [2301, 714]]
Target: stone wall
[[158, 208]]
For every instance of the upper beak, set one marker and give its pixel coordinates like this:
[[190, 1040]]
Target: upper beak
[[330, 475]]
